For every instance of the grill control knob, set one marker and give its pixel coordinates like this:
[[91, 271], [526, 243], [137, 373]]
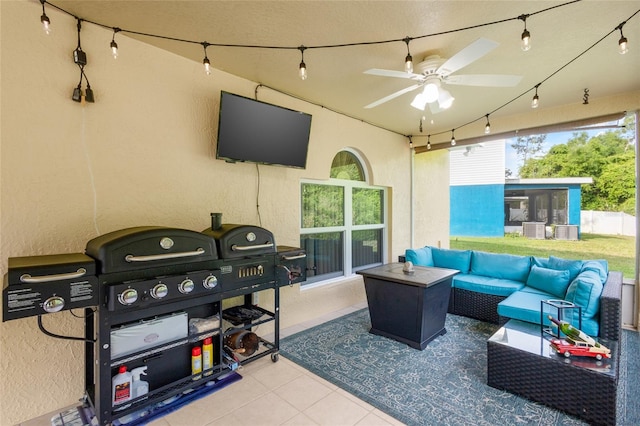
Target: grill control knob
[[186, 286], [159, 291], [210, 282], [128, 297], [53, 304]]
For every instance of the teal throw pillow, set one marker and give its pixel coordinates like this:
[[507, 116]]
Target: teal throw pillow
[[419, 257], [540, 261], [573, 266], [585, 291], [598, 266], [549, 280], [451, 259]]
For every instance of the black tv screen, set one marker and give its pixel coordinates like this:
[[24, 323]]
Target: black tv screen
[[258, 132]]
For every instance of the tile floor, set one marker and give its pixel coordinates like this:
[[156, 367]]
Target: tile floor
[[280, 393]]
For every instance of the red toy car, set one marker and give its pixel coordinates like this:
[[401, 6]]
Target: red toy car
[[569, 347]]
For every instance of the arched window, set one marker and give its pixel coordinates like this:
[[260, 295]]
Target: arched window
[[346, 166], [343, 221]]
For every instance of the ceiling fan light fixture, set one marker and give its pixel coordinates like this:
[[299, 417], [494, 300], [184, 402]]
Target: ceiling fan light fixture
[[445, 100], [431, 92], [419, 102]]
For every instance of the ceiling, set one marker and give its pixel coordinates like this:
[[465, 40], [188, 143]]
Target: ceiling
[[335, 75]]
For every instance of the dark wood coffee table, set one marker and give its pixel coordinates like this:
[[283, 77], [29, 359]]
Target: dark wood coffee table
[[409, 308], [520, 361]]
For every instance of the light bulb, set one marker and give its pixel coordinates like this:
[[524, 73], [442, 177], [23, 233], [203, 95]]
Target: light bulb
[[114, 49], [207, 65], [419, 102], [303, 71], [445, 100], [526, 40], [453, 139], [487, 129], [408, 64], [430, 92], [535, 101], [622, 45], [46, 24]]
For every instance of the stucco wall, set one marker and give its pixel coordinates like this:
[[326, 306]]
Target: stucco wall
[[143, 154]]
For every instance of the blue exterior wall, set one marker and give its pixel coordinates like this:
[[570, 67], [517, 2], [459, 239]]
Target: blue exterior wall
[[477, 210]]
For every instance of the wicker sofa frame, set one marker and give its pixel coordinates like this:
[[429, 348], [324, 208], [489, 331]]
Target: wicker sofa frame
[[484, 307]]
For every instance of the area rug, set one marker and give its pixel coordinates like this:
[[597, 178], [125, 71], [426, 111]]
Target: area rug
[[445, 384]]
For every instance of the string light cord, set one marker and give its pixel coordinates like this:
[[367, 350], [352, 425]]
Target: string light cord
[[325, 46], [365, 43], [544, 80]]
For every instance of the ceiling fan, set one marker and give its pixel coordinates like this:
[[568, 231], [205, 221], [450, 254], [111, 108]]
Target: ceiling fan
[[434, 71]]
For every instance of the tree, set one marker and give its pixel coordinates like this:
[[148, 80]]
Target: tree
[[527, 148], [608, 158]]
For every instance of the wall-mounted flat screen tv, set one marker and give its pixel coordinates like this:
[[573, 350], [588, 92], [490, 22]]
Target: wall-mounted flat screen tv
[[258, 132]]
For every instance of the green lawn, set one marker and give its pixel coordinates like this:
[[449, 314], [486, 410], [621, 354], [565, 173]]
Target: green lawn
[[617, 250]]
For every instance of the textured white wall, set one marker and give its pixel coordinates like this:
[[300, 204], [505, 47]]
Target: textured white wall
[[143, 154]]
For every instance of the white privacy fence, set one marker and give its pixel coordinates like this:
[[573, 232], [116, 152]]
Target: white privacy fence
[[607, 223]]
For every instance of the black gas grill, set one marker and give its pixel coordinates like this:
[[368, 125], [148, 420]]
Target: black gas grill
[[141, 289]]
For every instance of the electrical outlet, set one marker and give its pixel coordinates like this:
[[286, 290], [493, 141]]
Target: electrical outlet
[[255, 299], [79, 57]]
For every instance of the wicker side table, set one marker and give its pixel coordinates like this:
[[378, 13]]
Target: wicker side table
[[520, 361]]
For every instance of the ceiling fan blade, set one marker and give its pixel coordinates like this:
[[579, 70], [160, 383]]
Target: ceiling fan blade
[[393, 95], [469, 54], [392, 73], [490, 80]]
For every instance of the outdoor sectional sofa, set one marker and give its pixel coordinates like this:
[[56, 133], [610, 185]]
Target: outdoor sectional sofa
[[496, 287]]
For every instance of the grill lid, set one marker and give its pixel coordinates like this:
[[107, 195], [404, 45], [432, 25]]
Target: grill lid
[[237, 241], [145, 247]]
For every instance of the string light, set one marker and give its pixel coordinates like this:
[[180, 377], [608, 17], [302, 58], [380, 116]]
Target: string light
[[453, 138], [205, 61], [80, 59], [487, 127], [114, 45], [46, 22], [410, 142], [536, 100], [428, 141], [622, 43], [408, 61], [526, 35], [302, 70]]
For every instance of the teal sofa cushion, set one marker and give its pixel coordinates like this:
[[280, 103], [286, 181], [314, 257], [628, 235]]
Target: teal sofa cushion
[[543, 262], [525, 306], [585, 291], [573, 266], [420, 257], [451, 259], [600, 266], [549, 280], [506, 266], [486, 285]]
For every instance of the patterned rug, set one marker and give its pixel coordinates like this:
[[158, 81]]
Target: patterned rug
[[445, 384]]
